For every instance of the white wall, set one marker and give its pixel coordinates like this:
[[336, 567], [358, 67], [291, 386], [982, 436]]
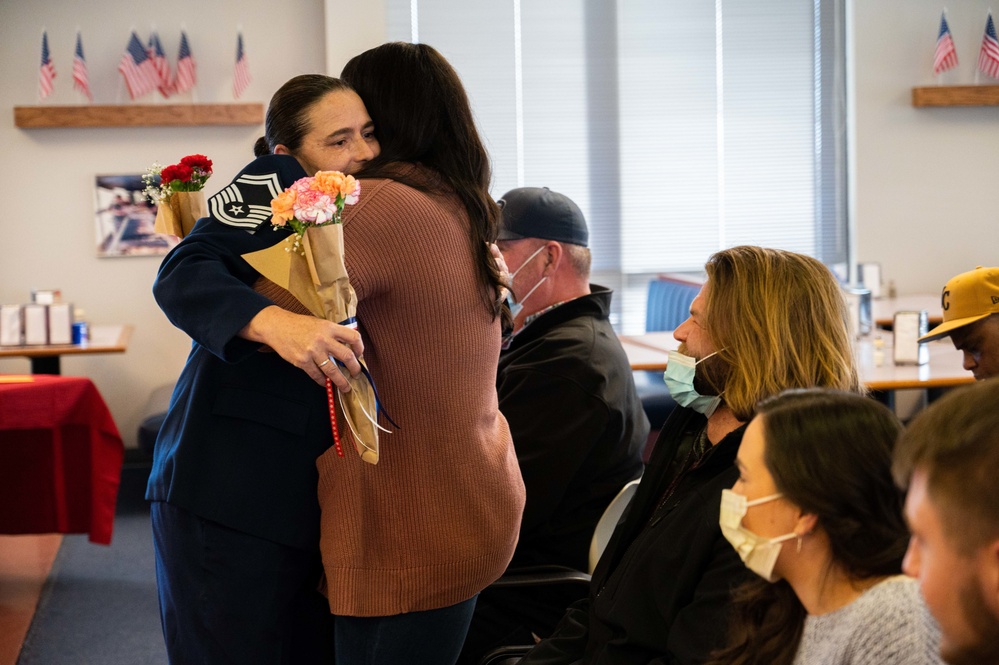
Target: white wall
[[927, 179], [47, 175], [352, 28]]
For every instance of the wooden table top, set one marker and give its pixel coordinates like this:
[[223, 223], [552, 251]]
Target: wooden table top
[[944, 369], [883, 309], [103, 339]]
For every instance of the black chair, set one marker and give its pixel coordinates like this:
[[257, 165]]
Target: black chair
[[538, 576], [505, 655], [656, 402], [154, 413]]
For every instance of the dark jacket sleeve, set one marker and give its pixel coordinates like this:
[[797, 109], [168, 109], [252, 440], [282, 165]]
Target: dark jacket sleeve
[[567, 644], [554, 424], [701, 626], [205, 287]]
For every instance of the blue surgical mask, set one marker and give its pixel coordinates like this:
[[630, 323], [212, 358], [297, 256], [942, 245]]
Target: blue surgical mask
[[517, 305], [679, 377]]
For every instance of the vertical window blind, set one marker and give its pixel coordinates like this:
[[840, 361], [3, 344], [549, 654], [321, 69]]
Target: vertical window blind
[[680, 128]]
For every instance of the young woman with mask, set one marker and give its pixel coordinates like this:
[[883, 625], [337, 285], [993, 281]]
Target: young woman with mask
[[408, 544], [816, 515], [233, 485]]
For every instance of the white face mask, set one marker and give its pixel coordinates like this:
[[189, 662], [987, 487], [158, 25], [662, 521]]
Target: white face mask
[[679, 378], [758, 553], [517, 305]]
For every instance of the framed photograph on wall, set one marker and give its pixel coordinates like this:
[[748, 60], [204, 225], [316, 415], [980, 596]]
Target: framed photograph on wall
[[124, 217]]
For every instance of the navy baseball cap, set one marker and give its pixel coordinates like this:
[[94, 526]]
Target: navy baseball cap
[[538, 212]]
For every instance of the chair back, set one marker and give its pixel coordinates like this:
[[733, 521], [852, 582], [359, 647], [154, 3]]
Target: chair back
[[668, 303], [608, 521]]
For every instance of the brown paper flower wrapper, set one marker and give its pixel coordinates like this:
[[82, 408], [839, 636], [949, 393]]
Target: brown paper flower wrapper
[[177, 215], [319, 280]]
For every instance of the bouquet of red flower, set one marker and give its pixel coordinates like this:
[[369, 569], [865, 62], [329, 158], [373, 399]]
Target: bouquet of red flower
[[178, 193], [310, 265]]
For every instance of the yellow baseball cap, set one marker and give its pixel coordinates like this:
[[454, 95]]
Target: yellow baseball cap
[[969, 297]]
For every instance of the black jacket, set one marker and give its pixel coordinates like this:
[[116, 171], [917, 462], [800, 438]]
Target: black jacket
[[566, 389], [661, 591]]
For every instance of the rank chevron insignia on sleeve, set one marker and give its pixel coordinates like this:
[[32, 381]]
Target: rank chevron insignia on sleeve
[[246, 202]]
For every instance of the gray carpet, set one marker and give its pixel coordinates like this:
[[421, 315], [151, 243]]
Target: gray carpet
[[99, 604]]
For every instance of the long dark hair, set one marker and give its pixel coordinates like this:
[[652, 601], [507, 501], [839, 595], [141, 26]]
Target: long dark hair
[[422, 115], [287, 120], [829, 453]]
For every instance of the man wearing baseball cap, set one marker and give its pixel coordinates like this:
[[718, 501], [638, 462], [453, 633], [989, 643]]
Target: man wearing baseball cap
[[565, 386], [970, 303]]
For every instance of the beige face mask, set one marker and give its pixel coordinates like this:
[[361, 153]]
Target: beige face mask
[[758, 553]]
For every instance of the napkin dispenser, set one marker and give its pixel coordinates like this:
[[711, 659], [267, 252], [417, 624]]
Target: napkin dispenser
[[909, 326], [858, 303], [11, 325]]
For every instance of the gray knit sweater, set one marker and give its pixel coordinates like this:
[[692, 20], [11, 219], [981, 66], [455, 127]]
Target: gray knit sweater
[[887, 625]]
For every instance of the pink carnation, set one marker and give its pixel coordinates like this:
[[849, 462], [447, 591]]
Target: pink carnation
[[314, 207], [352, 198]]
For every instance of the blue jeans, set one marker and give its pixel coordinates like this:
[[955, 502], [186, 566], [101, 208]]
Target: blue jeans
[[433, 637]]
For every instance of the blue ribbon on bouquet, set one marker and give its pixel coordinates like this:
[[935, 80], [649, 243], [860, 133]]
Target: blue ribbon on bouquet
[[352, 323]]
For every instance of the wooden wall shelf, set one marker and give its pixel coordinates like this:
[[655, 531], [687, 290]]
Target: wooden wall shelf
[[138, 115], [956, 95]]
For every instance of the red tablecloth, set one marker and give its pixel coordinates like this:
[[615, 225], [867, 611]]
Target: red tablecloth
[[60, 458]]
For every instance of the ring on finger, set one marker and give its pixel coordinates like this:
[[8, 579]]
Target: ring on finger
[[325, 362]]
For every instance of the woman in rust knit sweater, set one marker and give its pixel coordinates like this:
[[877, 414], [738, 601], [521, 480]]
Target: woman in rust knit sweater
[[408, 543]]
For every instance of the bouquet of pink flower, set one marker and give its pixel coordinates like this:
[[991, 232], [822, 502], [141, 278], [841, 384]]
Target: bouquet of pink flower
[[311, 267], [316, 201], [178, 193]]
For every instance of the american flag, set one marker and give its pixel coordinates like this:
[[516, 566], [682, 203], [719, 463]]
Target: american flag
[[156, 54], [946, 56], [47, 73], [186, 67], [241, 74], [140, 74], [988, 57], [81, 80]]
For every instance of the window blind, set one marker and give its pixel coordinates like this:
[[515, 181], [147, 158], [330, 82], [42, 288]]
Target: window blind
[[679, 128]]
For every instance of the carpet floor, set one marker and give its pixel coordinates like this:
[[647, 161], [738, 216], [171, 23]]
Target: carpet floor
[[99, 604]]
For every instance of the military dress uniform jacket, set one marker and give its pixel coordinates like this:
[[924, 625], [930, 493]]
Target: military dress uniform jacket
[[244, 427]]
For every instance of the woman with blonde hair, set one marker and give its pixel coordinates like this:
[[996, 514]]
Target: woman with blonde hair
[[780, 318], [765, 320]]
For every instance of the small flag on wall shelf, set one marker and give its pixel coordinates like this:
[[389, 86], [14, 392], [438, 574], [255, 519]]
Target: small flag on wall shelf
[[81, 80], [186, 67], [160, 63], [140, 75], [47, 72], [988, 57], [241, 74], [946, 55]]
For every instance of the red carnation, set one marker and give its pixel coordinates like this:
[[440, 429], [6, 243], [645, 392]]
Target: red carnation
[[198, 162], [175, 172]]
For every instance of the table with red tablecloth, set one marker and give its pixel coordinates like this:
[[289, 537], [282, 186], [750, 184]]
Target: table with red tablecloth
[[60, 457]]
